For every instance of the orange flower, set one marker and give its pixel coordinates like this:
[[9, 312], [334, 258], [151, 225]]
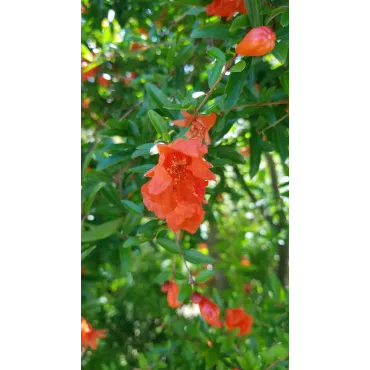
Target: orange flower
[[137, 46], [245, 152], [85, 103], [89, 335], [172, 290], [226, 8], [102, 81], [83, 9], [245, 262], [91, 73], [199, 126], [208, 309], [176, 189], [257, 42], [237, 318]]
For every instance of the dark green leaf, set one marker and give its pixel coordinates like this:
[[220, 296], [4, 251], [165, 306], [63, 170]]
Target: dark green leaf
[[111, 161], [275, 12], [217, 54], [133, 207], [218, 31], [284, 79], [184, 293], [101, 231], [142, 168], [284, 21], [184, 54], [204, 276], [255, 156], [241, 21], [234, 86], [159, 99], [87, 251], [214, 72], [196, 257], [125, 257], [131, 241], [254, 12], [158, 122], [168, 244]]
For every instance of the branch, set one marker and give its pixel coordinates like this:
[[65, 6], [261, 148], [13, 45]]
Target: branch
[[283, 250], [276, 362], [191, 280], [130, 110], [274, 124], [260, 207], [227, 66], [279, 102]]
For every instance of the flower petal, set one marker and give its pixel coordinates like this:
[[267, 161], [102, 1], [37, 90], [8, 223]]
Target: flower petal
[[200, 169], [160, 181], [193, 148]]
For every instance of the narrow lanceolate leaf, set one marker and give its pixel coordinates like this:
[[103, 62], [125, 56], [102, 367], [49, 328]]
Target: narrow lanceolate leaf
[[133, 207], [87, 251], [184, 292], [275, 13], [142, 168], [169, 245], [255, 156], [241, 21], [196, 257], [159, 99], [125, 257], [131, 241], [217, 54], [204, 276], [101, 231], [91, 197], [284, 79], [158, 122], [218, 31], [234, 86], [214, 72], [238, 67], [184, 55], [254, 12], [111, 161]]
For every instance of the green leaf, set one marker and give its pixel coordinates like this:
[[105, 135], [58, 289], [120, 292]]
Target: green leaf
[[275, 12], [217, 54], [143, 362], [234, 86], [280, 51], [184, 292], [111, 161], [171, 54], [274, 353], [214, 72], [255, 156], [241, 21], [131, 241], [281, 141], [184, 55], [159, 99], [238, 67], [218, 31], [213, 103], [284, 21], [133, 207], [112, 195], [227, 153], [87, 251], [196, 257], [204, 276], [254, 12], [158, 122], [168, 244], [86, 53], [284, 79], [91, 197], [101, 231], [142, 168]]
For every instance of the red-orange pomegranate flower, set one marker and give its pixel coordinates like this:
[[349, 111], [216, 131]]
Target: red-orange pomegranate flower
[[199, 125], [176, 189], [102, 81], [226, 8], [137, 46], [237, 318], [89, 335], [172, 290], [208, 309], [91, 73], [257, 42]]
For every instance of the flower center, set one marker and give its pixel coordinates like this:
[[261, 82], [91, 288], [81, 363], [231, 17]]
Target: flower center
[[176, 166], [197, 129]]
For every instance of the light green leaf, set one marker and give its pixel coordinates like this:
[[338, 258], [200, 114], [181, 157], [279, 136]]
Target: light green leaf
[[217, 54], [196, 257], [131, 241], [238, 67], [184, 292], [133, 207], [204, 276], [241, 21], [169, 245], [218, 31]]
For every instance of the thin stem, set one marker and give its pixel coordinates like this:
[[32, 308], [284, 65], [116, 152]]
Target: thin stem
[[227, 66], [279, 102], [276, 362], [173, 267], [191, 280], [274, 124], [131, 110]]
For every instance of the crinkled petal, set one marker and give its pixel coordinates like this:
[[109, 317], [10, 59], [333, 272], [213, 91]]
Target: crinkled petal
[[201, 169], [193, 148], [160, 181]]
